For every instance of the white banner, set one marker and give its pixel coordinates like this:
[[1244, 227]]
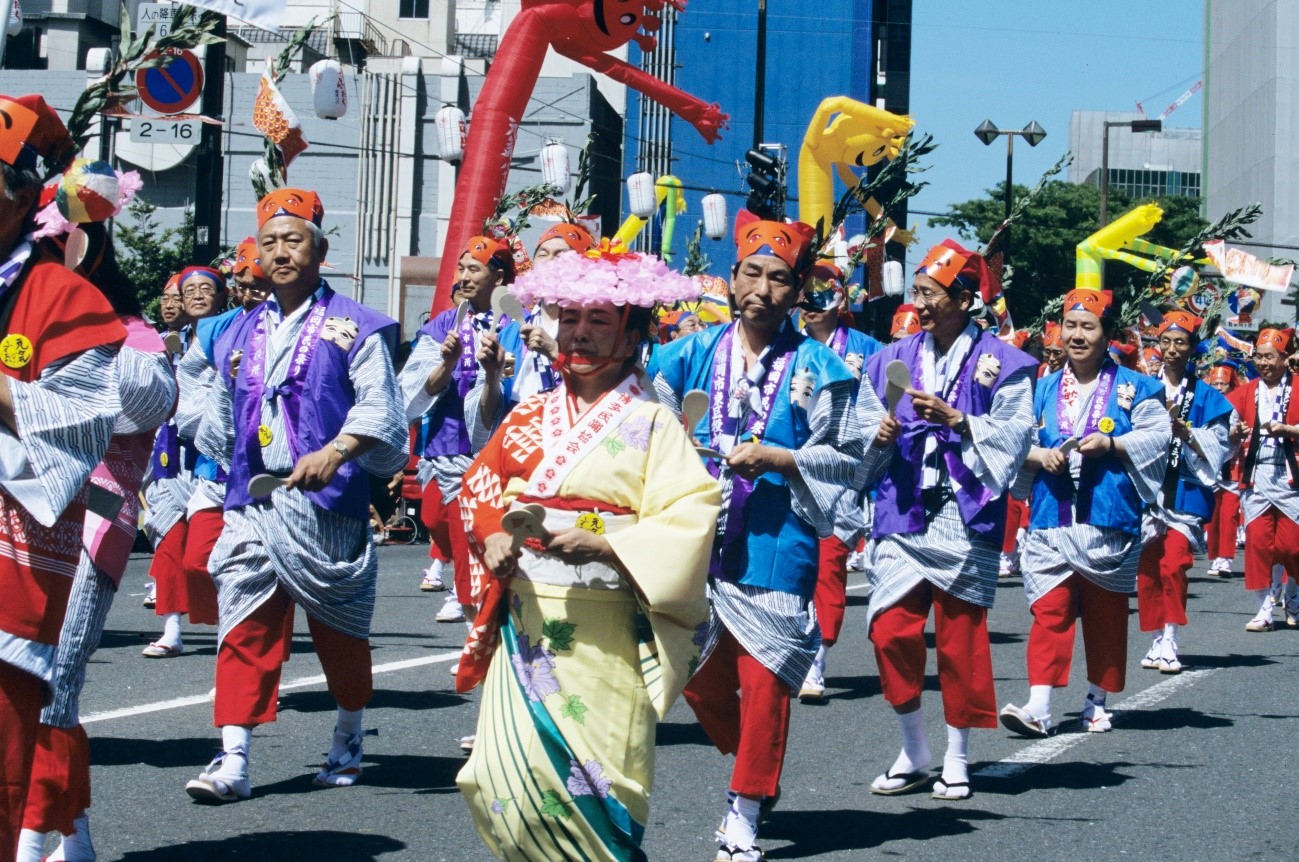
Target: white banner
[[266, 14], [1241, 267]]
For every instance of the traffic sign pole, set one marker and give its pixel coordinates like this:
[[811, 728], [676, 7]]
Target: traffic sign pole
[[211, 161]]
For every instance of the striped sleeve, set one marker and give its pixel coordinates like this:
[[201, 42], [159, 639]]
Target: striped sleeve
[[146, 388], [377, 412], [827, 461], [196, 377], [999, 440], [424, 359], [64, 421], [215, 434], [1145, 448]]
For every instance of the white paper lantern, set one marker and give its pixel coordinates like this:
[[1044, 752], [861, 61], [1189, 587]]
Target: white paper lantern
[[893, 281], [640, 195], [452, 130], [714, 216], [15, 18], [328, 89], [554, 167]]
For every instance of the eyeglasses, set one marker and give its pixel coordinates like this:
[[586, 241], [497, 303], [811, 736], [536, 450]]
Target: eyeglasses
[[199, 290], [928, 297]]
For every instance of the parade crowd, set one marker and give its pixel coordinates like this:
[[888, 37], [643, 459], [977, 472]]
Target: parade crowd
[[631, 497]]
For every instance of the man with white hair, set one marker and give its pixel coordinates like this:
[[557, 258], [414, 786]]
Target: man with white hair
[[313, 402]]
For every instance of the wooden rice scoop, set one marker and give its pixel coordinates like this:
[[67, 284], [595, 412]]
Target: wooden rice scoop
[[525, 523], [263, 484], [694, 407], [899, 378]]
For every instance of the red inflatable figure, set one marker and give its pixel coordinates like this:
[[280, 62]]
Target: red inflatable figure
[[581, 30]]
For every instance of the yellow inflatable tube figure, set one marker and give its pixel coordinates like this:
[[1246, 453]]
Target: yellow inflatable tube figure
[[666, 189], [1120, 240], [844, 133]]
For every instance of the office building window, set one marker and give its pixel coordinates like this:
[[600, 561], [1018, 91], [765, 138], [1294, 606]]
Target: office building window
[[413, 9]]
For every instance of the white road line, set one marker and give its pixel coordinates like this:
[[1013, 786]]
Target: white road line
[[1048, 749], [305, 682]]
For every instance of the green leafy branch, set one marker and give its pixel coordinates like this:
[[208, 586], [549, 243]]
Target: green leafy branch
[[189, 29], [1023, 202], [696, 261], [892, 184]]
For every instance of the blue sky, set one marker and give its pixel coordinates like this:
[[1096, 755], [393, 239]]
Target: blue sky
[[1012, 62]]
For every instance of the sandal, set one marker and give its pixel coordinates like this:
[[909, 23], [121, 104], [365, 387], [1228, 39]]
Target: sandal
[[910, 781], [161, 650], [1019, 720], [942, 791]]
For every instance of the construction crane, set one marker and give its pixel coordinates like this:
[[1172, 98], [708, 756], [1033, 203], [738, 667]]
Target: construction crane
[[1177, 103]]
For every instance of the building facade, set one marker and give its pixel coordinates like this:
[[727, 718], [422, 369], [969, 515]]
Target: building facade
[[1143, 164]]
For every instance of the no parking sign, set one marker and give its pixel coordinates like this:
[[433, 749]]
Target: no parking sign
[[173, 87]]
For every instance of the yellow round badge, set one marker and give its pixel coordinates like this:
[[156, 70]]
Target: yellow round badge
[[1106, 425], [591, 522], [16, 350], [163, 459], [264, 435]]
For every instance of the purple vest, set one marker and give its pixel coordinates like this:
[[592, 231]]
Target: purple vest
[[328, 398], [447, 432], [899, 508]]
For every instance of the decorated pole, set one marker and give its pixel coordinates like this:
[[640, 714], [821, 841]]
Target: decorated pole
[[209, 187]]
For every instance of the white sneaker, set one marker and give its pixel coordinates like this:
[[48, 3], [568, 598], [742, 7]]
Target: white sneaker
[[452, 611], [432, 581], [1095, 718], [1168, 661], [1151, 661]]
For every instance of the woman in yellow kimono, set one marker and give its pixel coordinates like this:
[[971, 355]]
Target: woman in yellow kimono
[[584, 638]]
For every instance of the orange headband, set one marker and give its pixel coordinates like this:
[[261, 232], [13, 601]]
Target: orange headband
[[174, 281], [291, 202], [31, 129], [1096, 302], [788, 242], [1051, 335], [1281, 339], [1183, 320], [1222, 374], [574, 236], [248, 257], [905, 321]]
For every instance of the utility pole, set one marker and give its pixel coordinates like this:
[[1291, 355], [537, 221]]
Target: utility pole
[[210, 181]]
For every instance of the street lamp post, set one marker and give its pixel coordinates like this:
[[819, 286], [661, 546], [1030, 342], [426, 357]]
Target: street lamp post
[[1135, 126], [987, 132]]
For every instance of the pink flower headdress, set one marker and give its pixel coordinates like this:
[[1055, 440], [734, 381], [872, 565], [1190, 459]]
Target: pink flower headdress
[[606, 274]]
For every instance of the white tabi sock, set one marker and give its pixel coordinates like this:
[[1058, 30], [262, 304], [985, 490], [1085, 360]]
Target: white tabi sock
[[1170, 632], [742, 822], [349, 721], [1265, 604], [77, 846], [236, 740], [1096, 694], [31, 846], [956, 760], [171, 631], [915, 754], [1039, 701]]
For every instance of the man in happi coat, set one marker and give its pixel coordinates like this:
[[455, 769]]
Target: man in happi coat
[[1268, 474], [1174, 526], [1097, 461], [59, 790], [58, 340], [440, 373], [823, 298], [180, 564], [314, 402], [585, 634], [944, 458], [781, 423]]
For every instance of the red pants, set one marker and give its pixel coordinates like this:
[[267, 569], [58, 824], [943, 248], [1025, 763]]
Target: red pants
[[433, 514], [1016, 517], [448, 534], [831, 595], [744, 709], [1161, 581], [168, 572], [251, 656], [1220, 532], [1105, 635], [964, 656], [1271, 538], [60, 784], [204, 529], [21, 696]]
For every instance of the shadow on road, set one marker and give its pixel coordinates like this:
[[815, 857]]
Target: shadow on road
[[1233, 659], [414, 772], [815, 833], [162, 753], [1080, 775], [384, 698], [324, 844], [1170, 718]]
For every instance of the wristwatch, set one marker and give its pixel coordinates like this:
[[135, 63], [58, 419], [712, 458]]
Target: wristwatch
[[341, 448], [962, 426]]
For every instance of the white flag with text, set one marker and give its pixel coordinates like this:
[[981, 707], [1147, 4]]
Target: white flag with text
[[267, 14]]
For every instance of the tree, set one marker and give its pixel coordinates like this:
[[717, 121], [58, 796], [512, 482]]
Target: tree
[[149, 254], [1044, 237]]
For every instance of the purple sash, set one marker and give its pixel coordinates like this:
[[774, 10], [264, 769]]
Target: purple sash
[[748, 427], [839, 341], [289, 392], [1100, 401]]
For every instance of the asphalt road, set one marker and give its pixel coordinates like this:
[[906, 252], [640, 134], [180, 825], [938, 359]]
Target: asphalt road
[[1196, 768]]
